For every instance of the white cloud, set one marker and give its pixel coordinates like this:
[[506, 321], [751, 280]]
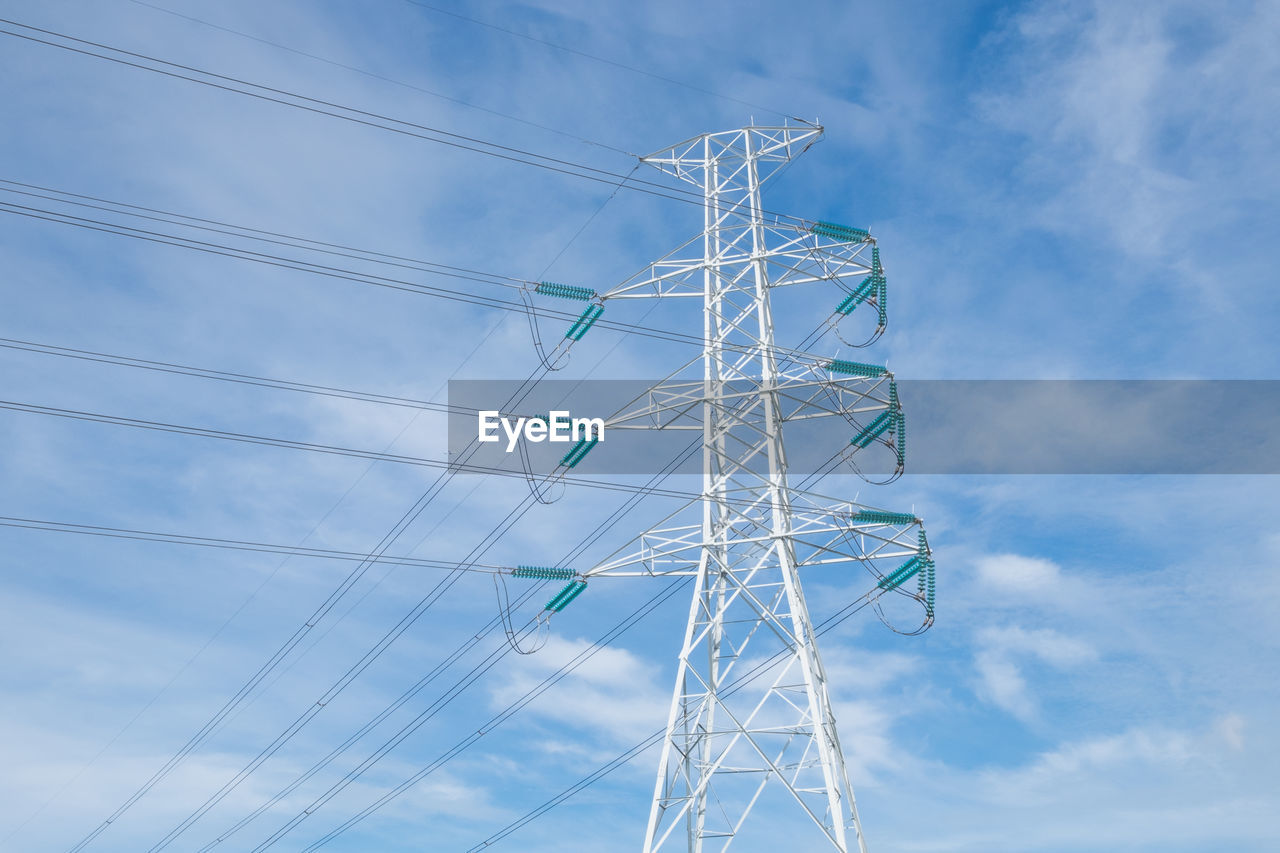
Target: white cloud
[[1014, 573], [1046, 644], [1003, 685], [1105, 91], [1098, 98], [1000, 678], [614, 693], [1231, 728]]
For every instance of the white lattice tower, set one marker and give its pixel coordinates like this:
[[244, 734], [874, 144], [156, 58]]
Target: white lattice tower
[[730, 747]]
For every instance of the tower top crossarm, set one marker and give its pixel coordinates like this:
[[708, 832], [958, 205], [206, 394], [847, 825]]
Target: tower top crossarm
[[769, 148], [729, 167]]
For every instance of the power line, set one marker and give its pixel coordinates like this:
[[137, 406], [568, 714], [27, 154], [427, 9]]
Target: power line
[[355, 669], [375, 76], [281, 653], [550, 681], [333, 272], [628, 506], [241, 607], [471, 677], [345, 274], [307, 244], [408, 518], [651, 490], [289, 444], [351, 114], [426, 714], [434, 708], [237, 544], [627, 755], [226, 376], [244, 232], [289, 733], [274, 661], [483, 729], [353, 672], [328, 248], [595, 58], [372, 119]]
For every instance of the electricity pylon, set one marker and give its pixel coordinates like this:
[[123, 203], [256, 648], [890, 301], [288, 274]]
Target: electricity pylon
[[733, 742]]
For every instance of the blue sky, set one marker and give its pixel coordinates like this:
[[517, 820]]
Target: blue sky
[[1060, 190]]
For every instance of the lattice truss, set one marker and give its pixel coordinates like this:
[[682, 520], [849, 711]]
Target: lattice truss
[[791, 252], [742, 736]]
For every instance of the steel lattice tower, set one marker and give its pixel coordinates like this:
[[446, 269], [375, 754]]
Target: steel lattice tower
[[730, 745]]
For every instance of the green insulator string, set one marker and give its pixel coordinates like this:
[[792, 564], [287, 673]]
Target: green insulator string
[[843, 233], [902, 574], [579, 450], [880, 425], [857, 368], [900, 442], [584, 322], [899, 428], [925, 585], [564, 291], [562, 598], [873, 516], [542, 573], [864, 291]]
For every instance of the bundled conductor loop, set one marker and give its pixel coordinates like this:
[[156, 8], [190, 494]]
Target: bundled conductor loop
[[919, 566], [540, 631], [561, 355], [543, 489]]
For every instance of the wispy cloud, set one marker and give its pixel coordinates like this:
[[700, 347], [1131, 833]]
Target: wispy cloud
[[999, 650], [1079, 190]]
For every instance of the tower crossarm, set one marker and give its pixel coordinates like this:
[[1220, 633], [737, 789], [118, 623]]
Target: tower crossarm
[[793, 252], [804, 392], [843, 533], [740, 159]]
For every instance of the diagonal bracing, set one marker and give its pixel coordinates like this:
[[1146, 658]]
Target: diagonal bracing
[[772, 744]]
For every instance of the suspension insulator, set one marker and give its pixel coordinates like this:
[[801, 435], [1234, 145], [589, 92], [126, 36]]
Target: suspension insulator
[[929, 595], [843, 233], [581, 449], [857, 368], [872, 516], [900, 425], [546, 573], [584, 322], [875, 429], [926, 584], [902, 574], [881, 286], [900, 439], [562, 598], [564, 291], [860, 294]]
